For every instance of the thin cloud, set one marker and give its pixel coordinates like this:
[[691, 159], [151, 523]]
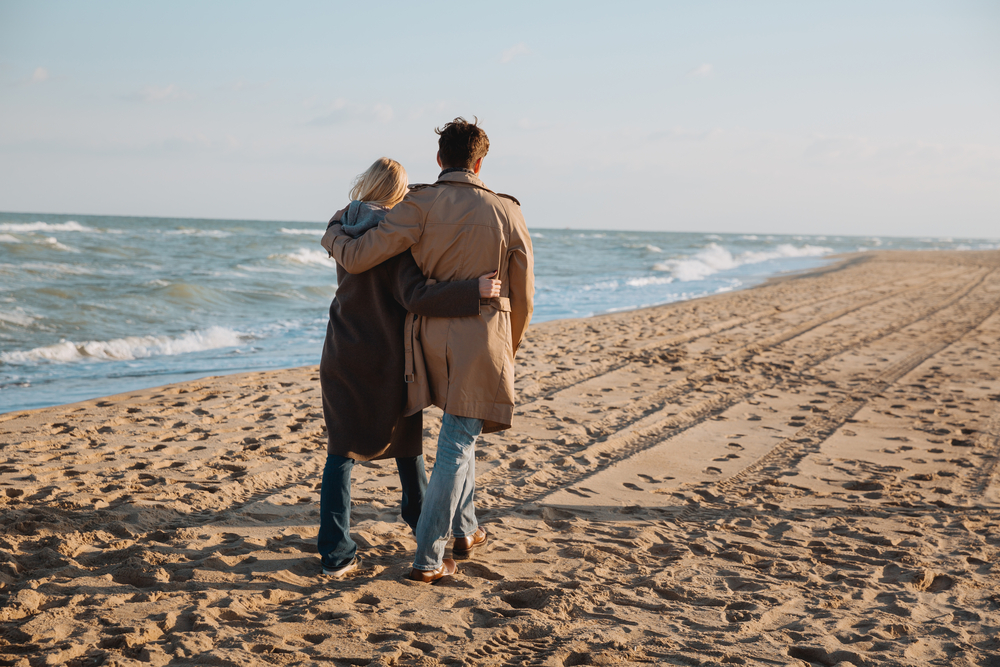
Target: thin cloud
[[342, 112], [853, 151], [244, 85], [336, 113], [155, 94], [436, 109], [194, 144], [382, 112], [701, 71], [519, 49], [38, 76], [683, 134]]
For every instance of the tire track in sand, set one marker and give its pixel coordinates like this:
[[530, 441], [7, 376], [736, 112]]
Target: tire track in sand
[[789, 452], [556, 383], [657, 427], [711, 369]]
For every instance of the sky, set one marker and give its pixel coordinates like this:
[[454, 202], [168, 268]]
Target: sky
[[847, 117]]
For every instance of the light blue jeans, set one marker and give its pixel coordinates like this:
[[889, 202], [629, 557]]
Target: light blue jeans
[[449, 503]]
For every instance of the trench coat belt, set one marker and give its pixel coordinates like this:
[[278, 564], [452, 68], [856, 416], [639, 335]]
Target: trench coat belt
[[411, 330], [499, 303]]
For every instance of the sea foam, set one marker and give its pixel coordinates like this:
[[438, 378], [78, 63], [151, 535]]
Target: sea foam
[[132, 347], [650, 280], [44, 268], [707, 261], [207, 233], [309, 232], [644, 246], [307, 256], [54, 242], [25, 227], [18, 317], [713, 258]]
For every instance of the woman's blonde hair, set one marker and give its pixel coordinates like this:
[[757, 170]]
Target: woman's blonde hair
[[382, 183]]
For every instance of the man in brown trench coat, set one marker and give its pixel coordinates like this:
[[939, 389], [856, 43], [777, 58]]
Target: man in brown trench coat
[[457, 229]]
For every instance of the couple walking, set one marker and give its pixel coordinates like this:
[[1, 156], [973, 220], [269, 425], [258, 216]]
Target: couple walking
[[435, 290]]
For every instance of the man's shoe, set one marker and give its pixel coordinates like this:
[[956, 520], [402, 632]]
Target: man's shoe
[[448, 568], [343, 570], [464, 545]]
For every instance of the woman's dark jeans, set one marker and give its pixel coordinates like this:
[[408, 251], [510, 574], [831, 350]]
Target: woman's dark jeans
[[336, 548]]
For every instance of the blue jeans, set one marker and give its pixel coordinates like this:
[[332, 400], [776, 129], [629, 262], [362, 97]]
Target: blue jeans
[[449, 507], [336, 548]]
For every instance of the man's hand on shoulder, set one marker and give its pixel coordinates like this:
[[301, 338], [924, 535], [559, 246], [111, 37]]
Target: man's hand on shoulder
[[337, 217], [333, 230]]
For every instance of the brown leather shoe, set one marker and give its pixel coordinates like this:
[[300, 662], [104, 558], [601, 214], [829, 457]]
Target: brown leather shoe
[[448, 568], [464, 545]]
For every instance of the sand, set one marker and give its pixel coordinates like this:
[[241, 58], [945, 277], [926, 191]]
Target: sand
[[804, 473]]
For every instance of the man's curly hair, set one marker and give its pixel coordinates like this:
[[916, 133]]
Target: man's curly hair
[[461, 143]]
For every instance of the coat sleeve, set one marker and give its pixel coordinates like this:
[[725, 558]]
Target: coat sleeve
[[521, 280], [459, 298], [400, 229]]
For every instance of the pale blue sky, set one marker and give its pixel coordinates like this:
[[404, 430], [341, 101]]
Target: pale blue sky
[[785, 117]]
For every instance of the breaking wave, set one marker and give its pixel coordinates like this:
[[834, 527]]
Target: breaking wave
[[123, 349], [649, 247], [652, 280], [18, 317], [206, 233], [54, 242], [307, 256], [25, 227], [713, 258]]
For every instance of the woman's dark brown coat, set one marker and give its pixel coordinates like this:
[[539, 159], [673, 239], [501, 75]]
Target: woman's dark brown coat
[[361, 372]]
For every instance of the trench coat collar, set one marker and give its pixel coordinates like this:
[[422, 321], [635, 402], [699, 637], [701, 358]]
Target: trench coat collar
[[461, 177]]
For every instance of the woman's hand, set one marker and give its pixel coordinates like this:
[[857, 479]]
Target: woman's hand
[[488, 287]]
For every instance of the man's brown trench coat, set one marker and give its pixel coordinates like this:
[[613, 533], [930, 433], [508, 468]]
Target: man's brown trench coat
[[457, 229]]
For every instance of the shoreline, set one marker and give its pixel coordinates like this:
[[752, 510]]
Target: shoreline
[[195, 376], [800, 472], [211, 322], [831, 260]]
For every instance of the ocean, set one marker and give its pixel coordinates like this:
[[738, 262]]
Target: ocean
[[94, 305]]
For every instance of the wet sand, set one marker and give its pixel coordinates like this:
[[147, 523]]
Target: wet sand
[[804, 473]]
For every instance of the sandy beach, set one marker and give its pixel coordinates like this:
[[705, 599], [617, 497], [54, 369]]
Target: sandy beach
[[803, 473]]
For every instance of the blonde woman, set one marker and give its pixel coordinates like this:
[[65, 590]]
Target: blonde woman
[[362, 368]]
